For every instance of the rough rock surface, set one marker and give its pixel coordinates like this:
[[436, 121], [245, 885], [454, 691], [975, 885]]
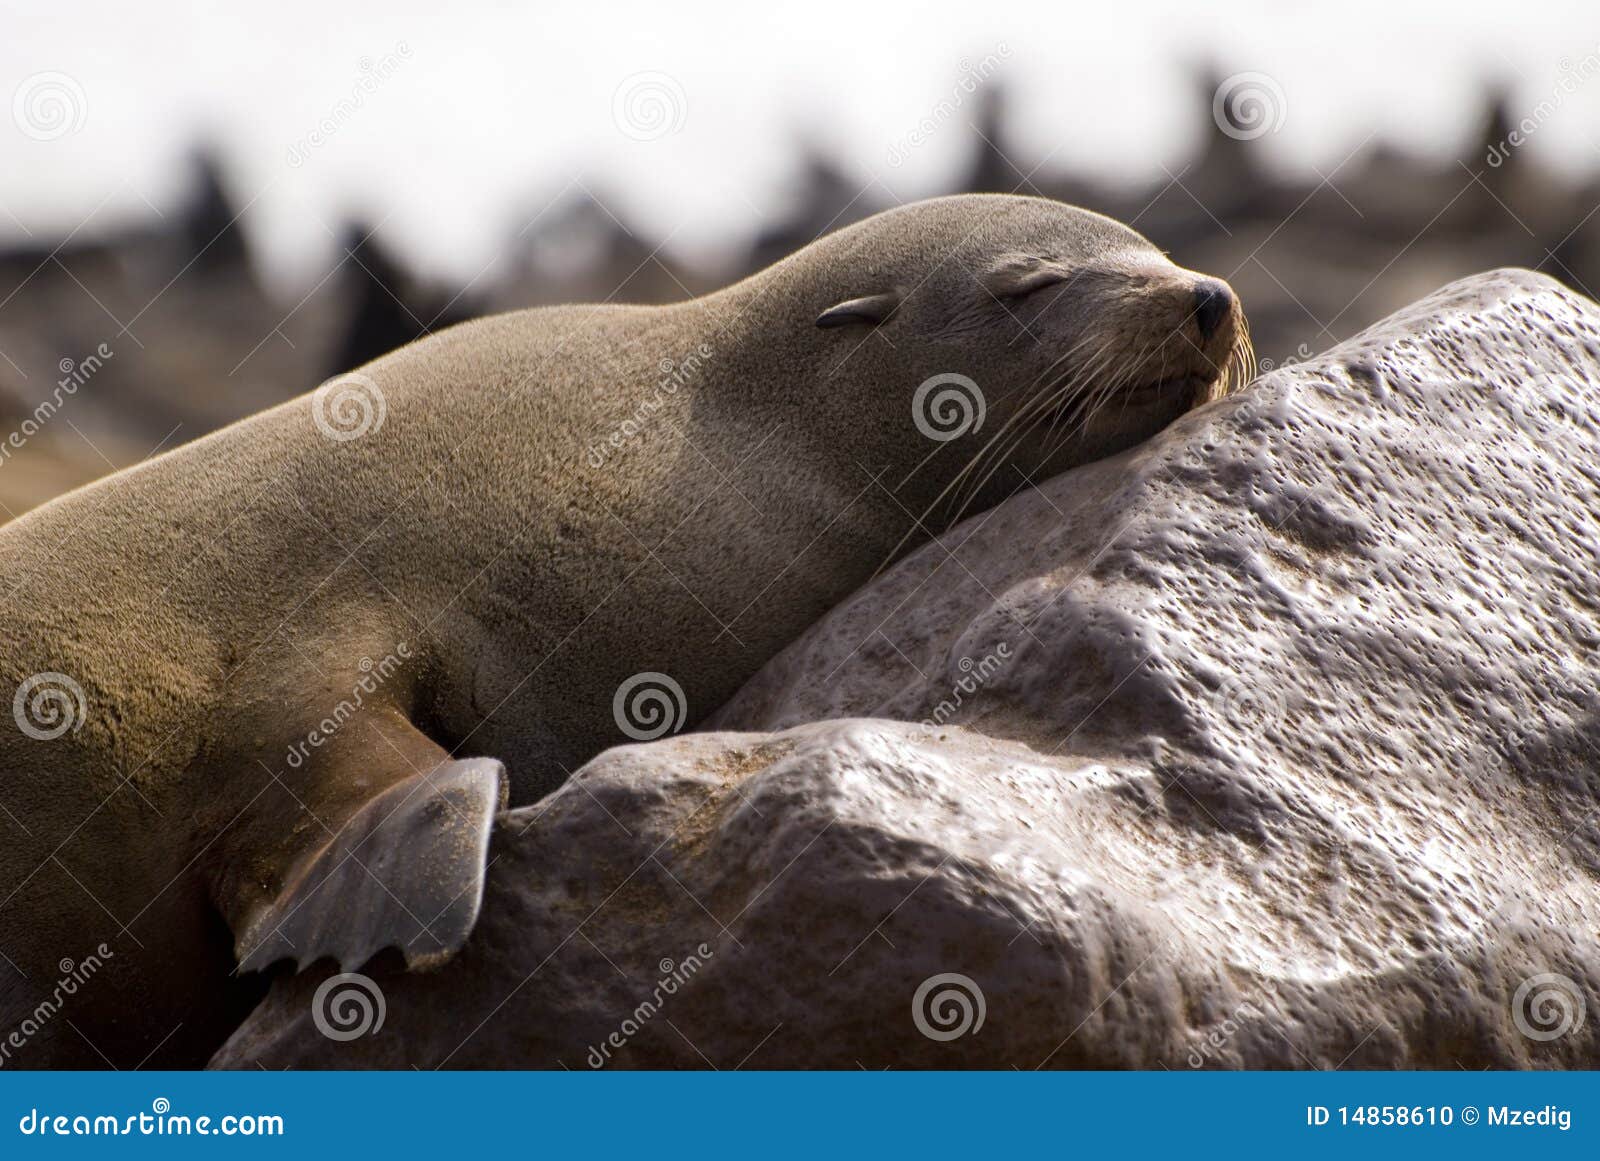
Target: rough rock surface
[[1270, 743]]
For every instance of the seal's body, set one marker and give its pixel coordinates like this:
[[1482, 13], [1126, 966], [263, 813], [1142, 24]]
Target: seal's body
[[289, 659]]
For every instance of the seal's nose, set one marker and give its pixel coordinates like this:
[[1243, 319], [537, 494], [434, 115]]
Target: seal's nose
[[1213, 302]]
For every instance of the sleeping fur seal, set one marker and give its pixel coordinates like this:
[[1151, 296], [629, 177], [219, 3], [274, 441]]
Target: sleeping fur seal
[[272, 686]]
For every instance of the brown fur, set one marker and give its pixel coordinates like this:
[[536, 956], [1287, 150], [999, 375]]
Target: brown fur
[[216, 602]]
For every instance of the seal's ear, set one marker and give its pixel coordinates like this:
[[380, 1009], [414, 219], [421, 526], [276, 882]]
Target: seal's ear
[[871, 310], [404, 870]]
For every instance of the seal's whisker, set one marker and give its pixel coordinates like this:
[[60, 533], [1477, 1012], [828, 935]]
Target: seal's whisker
[[1160, 376], [1092, 370], [1049, 403], [968, 466], [1025, 421], [1083, 415], [1093, 403], [1031, 415], [1075, 420], [1242, 366], [973, 465], [1112, 386]]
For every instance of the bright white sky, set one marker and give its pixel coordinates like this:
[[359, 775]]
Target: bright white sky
[[500, 104]]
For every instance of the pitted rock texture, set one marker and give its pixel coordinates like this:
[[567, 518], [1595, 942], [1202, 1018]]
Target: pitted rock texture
[[1271, 743]]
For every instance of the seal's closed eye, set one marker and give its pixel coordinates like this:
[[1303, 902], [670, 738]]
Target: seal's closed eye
[[1017, 275]]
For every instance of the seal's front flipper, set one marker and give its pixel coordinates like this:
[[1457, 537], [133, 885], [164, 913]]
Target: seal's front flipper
[[405, 870]]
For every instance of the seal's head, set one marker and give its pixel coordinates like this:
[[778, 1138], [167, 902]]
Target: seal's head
[[1018, 331]]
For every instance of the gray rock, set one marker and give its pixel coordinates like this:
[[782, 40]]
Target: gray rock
[[1271, 743]]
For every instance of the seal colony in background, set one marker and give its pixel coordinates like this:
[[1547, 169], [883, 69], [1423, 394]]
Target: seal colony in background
[[272, 686]]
